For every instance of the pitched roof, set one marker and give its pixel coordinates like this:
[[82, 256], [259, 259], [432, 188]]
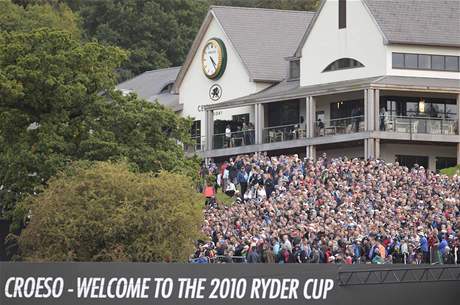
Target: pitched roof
[[424, 22], [149, 85], [263, 37]]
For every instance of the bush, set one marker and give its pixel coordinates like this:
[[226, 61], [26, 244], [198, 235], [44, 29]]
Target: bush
[[106, 212]]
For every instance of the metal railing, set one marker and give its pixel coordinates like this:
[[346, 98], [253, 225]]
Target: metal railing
[[283, 133], [233, 139], [422, 125], [345, 125]]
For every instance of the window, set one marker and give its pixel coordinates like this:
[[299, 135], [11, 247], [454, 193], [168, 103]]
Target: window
[[241, 118], [343, 63], [398, 60], [437, 62], [294, 69], [196, 129], [411, 106], [410, 161], [282, 113], [452, 63], [167, 88], [411, 61], [425, 62], [444, 162], [342, 14], [346, 109]]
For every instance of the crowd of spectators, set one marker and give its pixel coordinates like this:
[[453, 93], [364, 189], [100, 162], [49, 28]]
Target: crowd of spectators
[[291, 210]]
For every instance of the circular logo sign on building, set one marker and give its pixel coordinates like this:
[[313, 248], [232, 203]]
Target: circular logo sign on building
[[214, 58], [215, 92]]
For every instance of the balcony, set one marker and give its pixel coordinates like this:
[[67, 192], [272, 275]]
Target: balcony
[[339, 126], [418, 125], [283, 133], [234, 139]]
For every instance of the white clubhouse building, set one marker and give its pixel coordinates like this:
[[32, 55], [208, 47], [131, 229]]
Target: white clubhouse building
[[357, 78]]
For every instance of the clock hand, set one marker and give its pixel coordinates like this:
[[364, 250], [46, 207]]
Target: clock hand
[[213, 62]]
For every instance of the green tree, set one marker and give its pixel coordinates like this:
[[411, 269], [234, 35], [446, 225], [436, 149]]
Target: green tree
[[157, 33], [106, 212], [37, 15], [54, 109]]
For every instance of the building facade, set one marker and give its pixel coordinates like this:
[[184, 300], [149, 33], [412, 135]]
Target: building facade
[[357, 78]]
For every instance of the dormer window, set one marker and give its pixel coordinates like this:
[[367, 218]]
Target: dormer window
[[343, 63], [167, 88], [294, 69]]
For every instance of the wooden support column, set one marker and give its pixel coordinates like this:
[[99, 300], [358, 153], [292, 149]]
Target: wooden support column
[[377, 149], [310, 116], [369, 113], [376, 109], [311, 152], [209, 123], [259, 122], [369, 148], [458, 153], [310, 124]]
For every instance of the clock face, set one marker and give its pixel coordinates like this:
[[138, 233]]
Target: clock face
[[214, 58]]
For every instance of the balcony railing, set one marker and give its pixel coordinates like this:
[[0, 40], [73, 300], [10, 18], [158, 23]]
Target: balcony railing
[[421, 125], [283, 133], [339, 126], [197, 144], [234, 139]]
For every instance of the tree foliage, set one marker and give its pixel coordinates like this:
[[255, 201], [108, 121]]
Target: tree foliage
[[157, 33], [53, 111], [38, 15], [106, 212]]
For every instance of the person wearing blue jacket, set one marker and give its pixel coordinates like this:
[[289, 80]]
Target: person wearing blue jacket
[[242, 179], [424, 248]]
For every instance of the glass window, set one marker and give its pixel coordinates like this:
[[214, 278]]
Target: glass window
[[452, 63], [451, 111], [410, 161], [294, 68], [343, 63], [437, 62], [424, 62], [196, 129], [241, 118], [445, 162], [412, 106], [411, 61], [398, 60]]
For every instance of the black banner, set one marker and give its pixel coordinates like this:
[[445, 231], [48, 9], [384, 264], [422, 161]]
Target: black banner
[[133, 283]]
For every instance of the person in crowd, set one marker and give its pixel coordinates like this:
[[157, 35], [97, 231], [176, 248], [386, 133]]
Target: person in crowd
[[334, 210], [228, 136], [242, 179]]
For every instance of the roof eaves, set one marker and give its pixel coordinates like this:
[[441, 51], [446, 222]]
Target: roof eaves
[[423, 44]]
